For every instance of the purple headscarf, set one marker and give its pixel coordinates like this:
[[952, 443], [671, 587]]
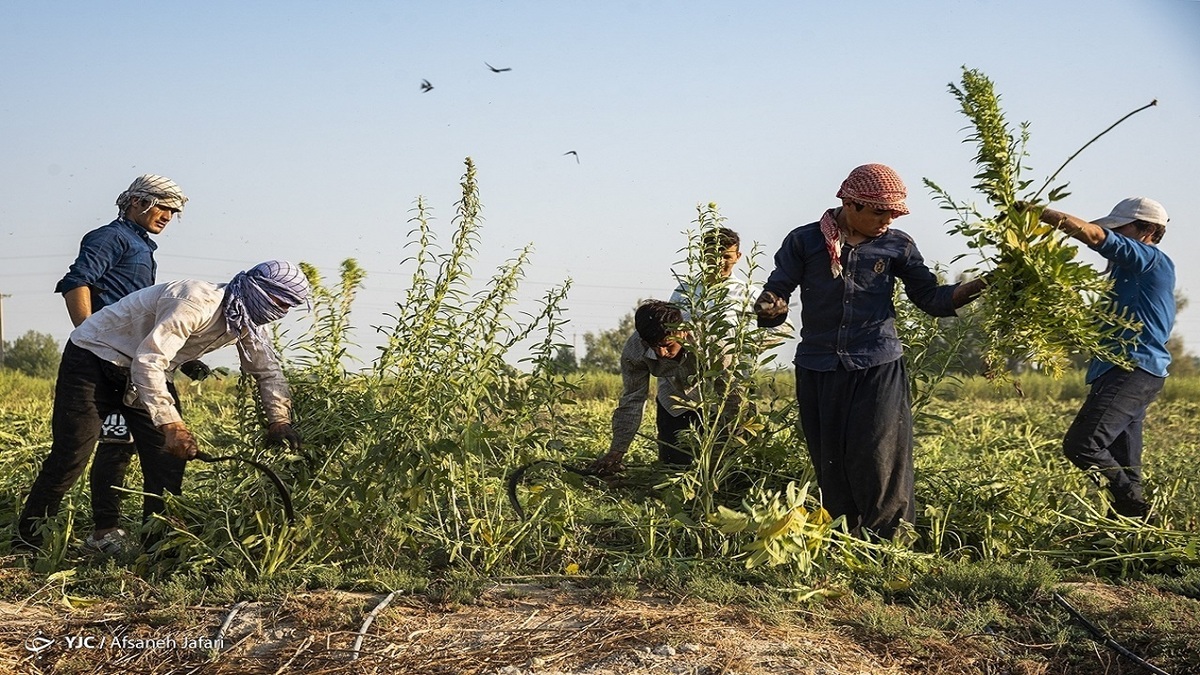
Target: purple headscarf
[[263, 294]]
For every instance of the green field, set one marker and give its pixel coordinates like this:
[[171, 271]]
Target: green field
[[402, 487], [1004, 523]]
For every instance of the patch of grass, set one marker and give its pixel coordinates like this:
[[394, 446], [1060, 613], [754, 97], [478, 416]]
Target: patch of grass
[[1011, 583], [457, 588]]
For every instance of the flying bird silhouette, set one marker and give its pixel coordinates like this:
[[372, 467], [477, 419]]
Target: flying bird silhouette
[[425, 86], [572, 152], [495, 69]]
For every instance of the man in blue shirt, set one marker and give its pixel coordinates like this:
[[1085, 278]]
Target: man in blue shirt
[[851, 381], [1107, 431], [114, 261]]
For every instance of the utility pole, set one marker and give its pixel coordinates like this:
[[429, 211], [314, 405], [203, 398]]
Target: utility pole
[[2, 297]]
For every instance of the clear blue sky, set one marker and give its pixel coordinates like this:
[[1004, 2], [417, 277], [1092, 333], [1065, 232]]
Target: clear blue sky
[[299, 130]]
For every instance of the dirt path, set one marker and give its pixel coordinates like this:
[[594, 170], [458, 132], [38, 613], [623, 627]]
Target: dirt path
[[512, 630]]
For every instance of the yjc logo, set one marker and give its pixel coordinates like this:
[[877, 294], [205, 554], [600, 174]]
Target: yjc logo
[[38, 644]]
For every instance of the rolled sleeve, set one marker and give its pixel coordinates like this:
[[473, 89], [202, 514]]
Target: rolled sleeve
[[98, 252], [176, 320]]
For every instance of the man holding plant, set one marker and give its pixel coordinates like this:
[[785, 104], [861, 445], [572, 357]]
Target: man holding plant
[[851, 383], [121, 357], [1107, 431]]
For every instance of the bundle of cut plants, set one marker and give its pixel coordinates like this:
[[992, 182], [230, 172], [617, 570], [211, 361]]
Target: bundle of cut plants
[[1042, 305]]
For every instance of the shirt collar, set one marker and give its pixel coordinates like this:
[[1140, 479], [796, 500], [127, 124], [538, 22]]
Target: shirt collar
[[141, 232]]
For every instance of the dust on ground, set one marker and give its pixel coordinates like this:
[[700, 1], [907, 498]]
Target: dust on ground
[[513, 629]]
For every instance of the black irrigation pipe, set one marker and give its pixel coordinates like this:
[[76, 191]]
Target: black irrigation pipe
[[266, 470], [1099, 636]]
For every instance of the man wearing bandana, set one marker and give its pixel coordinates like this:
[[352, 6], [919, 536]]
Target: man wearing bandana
[[851, 381], [120, 360], [114, 261]]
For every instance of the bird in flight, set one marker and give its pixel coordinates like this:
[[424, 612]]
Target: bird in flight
[[425, 86], [572, 152], [494, 69]]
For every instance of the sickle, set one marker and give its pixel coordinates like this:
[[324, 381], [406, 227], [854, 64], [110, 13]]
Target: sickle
[[515, 477], [266, 470]]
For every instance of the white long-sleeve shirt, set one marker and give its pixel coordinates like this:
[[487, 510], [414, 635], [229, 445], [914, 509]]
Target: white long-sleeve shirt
[[154, 330]]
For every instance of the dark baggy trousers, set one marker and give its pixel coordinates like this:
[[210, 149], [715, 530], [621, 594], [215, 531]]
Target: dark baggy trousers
[[88, 389], [858, 426], [670, 447], [1107, 431]]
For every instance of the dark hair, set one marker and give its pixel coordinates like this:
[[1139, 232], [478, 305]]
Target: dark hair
[[655, 319], [1157, 230], [720, 237]]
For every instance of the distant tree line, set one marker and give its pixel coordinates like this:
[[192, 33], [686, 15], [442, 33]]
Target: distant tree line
[[34, 354]]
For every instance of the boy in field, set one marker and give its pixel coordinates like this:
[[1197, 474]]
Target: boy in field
[[851, 382], [655, 349], [1107, 431]]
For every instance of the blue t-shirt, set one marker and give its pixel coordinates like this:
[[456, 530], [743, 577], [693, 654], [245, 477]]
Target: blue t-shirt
[[1144, 286], [114, 260]]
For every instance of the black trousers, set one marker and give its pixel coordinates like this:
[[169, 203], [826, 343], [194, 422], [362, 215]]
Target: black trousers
[[87, 390], [670, 446], [1107, 431], [858, 426], [107, 475]]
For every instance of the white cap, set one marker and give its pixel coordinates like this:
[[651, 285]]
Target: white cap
[[1131, 209]]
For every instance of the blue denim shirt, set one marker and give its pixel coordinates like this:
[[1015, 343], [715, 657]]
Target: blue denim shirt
[[1143, 285], [114, 260], [851, 319]]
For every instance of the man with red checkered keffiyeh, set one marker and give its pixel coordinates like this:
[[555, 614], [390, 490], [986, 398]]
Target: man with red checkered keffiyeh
[[851, 381]]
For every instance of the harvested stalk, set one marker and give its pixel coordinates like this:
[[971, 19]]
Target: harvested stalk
[[1041, 306]]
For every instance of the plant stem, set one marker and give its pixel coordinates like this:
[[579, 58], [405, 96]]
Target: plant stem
[[1085, 146]]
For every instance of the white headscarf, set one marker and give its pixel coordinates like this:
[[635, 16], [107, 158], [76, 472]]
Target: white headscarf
[[158, 190]]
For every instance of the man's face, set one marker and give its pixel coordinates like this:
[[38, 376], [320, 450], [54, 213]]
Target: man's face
[[152, 220], [868, 221], [669, 347], [723, 264]]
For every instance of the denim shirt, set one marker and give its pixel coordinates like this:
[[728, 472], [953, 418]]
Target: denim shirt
[[114, 260], [851, 320], [1144, 286]]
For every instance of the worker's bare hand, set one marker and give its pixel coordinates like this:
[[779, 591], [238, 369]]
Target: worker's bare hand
[[770, 306], [609, 464]]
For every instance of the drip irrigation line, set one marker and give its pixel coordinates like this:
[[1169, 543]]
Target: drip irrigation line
[[1099, 636], [362, 632]]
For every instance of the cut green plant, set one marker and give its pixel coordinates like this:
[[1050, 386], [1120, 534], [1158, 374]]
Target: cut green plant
[[1042, 305]]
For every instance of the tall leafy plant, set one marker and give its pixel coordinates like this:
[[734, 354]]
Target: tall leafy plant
[[1042, 305], [734, 430]]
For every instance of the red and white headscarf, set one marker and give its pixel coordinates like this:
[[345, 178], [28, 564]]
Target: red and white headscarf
[[834, 238], [874, 185], [877, 186]]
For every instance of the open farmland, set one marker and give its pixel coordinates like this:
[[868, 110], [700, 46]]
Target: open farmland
[[409, 552], [608, 574]]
